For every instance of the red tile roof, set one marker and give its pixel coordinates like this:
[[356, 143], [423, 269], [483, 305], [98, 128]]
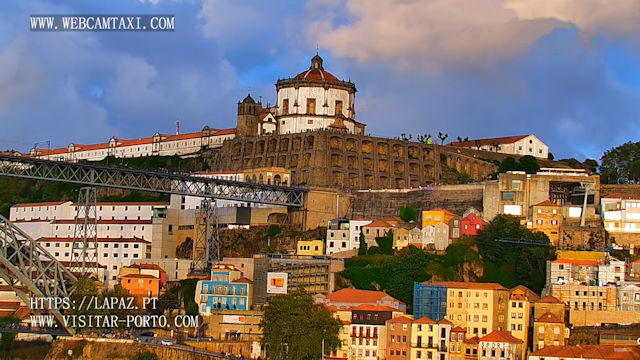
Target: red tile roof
[[576, 262], [100, 240], [490, 141], [500, 336], [53, 203], [140, 276], [89, 264], [243, 280], [109, 221], [400, 319], [356, 296], [549, 299], [622, 196], [472, 340], [546, 203], [425, 320], [146, 267], [458, 329], [445, 322], [468, 285], [608, 352], [316, 75], [378, 223], [368, 307], [549, 318]]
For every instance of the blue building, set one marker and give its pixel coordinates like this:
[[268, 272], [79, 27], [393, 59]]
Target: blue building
[[429, 300], [227, 289]]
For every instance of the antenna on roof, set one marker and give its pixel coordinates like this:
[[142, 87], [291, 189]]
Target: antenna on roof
[[260, 97], [178, 127], [316, 48]]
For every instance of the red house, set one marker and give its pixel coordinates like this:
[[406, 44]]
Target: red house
[[471, 224]]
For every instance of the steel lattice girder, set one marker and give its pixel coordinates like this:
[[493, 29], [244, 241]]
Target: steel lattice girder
[[30, 269], [179, 184]]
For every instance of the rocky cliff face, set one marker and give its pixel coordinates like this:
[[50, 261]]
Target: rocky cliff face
[[82, 349]]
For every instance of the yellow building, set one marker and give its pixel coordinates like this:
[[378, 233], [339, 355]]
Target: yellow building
[[310, 247], [547, 218], [437, 216], [430, 339], [479, 308], [268, 175], [519, 312]]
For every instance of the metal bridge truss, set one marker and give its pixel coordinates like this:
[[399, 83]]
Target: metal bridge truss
[[31, 270], [84, 249], [206, 247], [128, 179]]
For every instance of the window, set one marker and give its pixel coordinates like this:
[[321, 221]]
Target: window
[[516, 184], [508, 196], [338, 107], [285, 106], [311, 106]]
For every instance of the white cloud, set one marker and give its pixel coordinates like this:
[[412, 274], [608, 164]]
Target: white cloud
[[619, 17], [433, 33]]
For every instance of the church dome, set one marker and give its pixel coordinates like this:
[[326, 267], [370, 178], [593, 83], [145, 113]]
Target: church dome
[[316, 72]]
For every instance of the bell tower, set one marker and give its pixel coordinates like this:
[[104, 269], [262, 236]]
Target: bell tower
[[248, 117]]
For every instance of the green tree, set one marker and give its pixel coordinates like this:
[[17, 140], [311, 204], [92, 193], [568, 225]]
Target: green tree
[[529, 164], [513, 264], [620, 164], [464, 178], [273, 230], [385, 243], [591, 165], [508, 164], [362, 250], [294, 327], [407, 213], [118, 292], [460, 256], [84, 291], [168, 301]]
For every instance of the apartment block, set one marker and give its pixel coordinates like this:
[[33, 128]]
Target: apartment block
[[479, 308]]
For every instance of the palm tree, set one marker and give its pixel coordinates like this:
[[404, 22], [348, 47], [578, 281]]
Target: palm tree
[[442, 137]]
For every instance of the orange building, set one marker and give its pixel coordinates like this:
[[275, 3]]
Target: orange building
[[436, 216], [456, 343], [141, 286], [399, 338]]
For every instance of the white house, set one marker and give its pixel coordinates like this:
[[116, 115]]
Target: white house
[[515, 145]]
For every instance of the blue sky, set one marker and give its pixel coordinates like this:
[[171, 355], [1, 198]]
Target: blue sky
[[567, 71]]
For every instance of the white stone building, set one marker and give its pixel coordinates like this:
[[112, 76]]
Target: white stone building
[[157, 145], [316, 99], [515, 145], [343, 234], [112, 253], [125, 231]]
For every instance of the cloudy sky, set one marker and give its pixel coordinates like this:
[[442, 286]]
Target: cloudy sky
[[567, 71]]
